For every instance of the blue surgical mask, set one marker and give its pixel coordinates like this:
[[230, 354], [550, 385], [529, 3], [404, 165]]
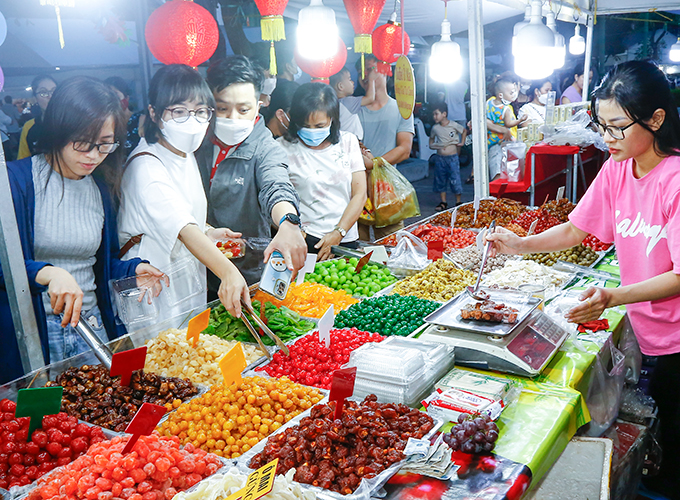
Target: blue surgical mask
[[314, 136]]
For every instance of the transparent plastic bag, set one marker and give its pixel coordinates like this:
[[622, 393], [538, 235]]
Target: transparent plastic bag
[[631, 349], [604, 395], [574, 132], [394, 198], [512, 161], [410, 255]]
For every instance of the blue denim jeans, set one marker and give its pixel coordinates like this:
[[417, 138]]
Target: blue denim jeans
[[66, 342], [446, 174]]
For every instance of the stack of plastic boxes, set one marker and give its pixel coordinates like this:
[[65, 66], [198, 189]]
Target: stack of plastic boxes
[[399, 370]]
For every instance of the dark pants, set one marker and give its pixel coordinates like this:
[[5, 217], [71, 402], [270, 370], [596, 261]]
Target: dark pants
[[664, 387], [312, 240]]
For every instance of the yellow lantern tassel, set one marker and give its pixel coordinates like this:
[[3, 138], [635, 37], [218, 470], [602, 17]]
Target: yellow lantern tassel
[[273, 70], [363, 43], [363, 66], [59, 28], [273, 28]]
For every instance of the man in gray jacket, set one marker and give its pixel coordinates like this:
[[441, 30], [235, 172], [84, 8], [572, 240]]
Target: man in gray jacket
[[244, 170]]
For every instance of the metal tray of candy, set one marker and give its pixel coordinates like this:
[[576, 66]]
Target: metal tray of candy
[[450, 313], [366, 489]]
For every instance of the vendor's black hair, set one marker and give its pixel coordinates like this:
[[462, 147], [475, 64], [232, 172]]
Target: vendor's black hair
[[284, 55], [442, 107], [119, 84], [640, 88], [235, 69], [579, 70], [367, 58], [309, 98], [77, 112], [38, 80], [174, 84], [281, 98], [333, 80], [535, 85]]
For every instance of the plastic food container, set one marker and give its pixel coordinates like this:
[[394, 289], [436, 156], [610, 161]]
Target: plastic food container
[[390, 364], [133, 304], [232, 248]]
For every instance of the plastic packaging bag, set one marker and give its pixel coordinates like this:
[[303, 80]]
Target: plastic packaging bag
[[410, 255], [574, 132], [604, 395], [512, 161], [631, 349], [394, 198]]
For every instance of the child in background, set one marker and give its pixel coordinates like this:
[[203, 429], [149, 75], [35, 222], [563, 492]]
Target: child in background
[[501, 121], [343, 86], [446, 137]]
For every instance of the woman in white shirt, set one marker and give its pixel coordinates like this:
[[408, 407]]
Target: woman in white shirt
[[326, 168], [535, 109], [162, 196]]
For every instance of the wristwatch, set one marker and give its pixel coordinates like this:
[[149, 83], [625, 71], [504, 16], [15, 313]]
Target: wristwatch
[[340, 230], [292, 218]]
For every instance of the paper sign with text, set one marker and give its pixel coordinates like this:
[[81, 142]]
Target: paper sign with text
[[560, 193]]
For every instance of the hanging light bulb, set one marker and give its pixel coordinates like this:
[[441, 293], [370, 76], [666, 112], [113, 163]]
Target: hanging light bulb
[[317, 33], [446, 64], [674, 54], [535, 47], [577, 44], [560, 47], [516, 29]]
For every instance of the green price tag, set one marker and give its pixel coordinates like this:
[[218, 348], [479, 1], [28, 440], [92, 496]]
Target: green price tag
[[36, 403]]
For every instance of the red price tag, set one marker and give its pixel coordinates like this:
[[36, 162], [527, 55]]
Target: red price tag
[[435, 249], [143, 423], [124, 363], [342, 387]]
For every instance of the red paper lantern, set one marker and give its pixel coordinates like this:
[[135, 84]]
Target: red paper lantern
[[272, 26], [181, 32], [323, 70], [387, 45], [363, 14]]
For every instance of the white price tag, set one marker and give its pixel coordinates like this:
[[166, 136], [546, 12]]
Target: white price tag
[[325, 325], [532, 228], [310, 262], [475, 204], [454, 215], [379, 254], [560, 193]]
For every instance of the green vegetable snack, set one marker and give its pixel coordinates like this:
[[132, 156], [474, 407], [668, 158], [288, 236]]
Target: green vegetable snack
[[340, 275], [286, 324], [388, 315]]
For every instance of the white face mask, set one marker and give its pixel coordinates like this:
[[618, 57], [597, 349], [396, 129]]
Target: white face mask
[[187, 136], [543, 99], [269, 85], [524, 89], [231, 131], [504, 101], [298, 74]]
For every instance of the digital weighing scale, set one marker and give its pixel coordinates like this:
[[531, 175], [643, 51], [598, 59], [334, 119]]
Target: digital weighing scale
[[523, 348]]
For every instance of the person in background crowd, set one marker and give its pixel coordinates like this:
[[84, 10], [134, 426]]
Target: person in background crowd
[[278, 113], [386, 135], [244, 171], [574, 91], [163, 208], [454, 96], [5, 121], [122, 90], [326, 168], [43, 87], [535, 109], [523, 96], [286, 65], [634, 202], [67, 224], [445, 138], [343, 85], [13, 129]]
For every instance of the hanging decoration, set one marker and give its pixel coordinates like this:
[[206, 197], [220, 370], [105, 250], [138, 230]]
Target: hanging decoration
[[363, 15], [57, 4], [113, 29], [387, 44], [321, 71], [181, 32], [3, 28], [272, 26]]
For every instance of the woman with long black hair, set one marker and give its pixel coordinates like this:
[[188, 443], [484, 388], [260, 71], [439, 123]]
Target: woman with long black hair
[[634, 202], [67, 224]]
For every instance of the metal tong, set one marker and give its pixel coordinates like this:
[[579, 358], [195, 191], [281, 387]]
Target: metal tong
[[474, 292], [102, 353], [265, 329]]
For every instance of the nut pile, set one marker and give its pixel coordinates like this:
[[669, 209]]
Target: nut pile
[[170, 354], [471, 258], [439, 281], [560, 209], [92, 395], [580, 254], [229, 421], [502, 211]]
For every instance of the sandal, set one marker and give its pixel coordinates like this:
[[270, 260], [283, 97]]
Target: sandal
[[441, 207], [470, 180]]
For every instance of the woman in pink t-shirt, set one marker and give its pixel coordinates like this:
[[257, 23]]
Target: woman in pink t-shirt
[[634, 202]]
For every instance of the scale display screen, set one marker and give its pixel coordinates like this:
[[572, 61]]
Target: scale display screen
[[537, 341]]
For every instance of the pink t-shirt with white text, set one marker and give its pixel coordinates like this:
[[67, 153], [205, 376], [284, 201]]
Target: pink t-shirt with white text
[[642, 216]]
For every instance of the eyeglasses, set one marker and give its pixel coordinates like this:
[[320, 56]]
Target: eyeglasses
[[180, 115], [614, 132], [45, 94], [103, 148]]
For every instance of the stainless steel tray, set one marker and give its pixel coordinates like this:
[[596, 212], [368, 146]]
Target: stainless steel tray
[[449, 314]]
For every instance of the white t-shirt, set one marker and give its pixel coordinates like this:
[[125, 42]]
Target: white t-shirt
[[158, 200], [323, 179], [349, 122], [535, 112]]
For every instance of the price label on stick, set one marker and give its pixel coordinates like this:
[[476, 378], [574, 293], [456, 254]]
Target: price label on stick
[[435, 249], [144, 422], [362, 262], [475, 205], [259, 483], [310, 262], [38, 402], [379, 254], [325, 324], [196, 325], [532, 228], [232, 364], [454, 215], [560, 193], [342, 387], [124, 363]]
